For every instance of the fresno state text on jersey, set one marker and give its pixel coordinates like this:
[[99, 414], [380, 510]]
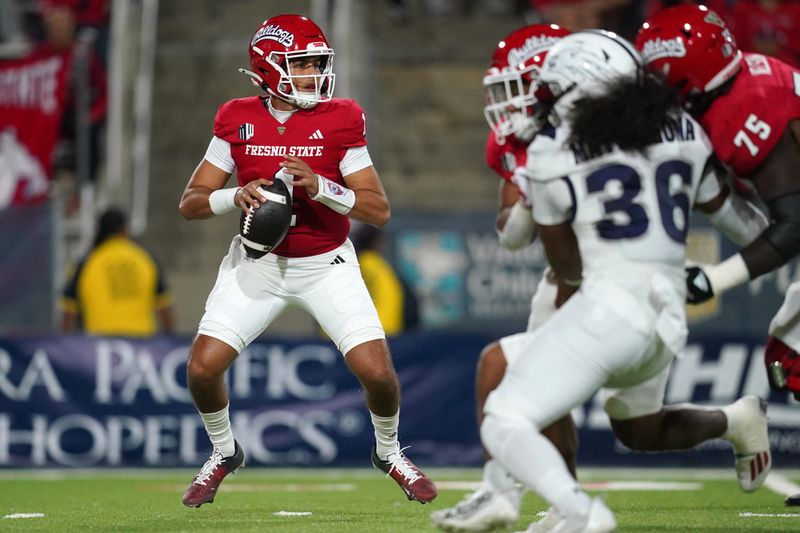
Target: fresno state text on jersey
[[320, 136], [746, 123]]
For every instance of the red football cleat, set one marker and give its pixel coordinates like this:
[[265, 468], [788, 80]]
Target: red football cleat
[[205, 484], [414, 483]]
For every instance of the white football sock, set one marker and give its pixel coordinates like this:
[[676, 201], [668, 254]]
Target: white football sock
[[218, 427], [385, 433], [497, 479], [536, 463], [730, 415]]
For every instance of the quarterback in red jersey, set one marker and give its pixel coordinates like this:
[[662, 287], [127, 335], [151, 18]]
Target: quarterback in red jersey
[[750, 106], [297, 132]]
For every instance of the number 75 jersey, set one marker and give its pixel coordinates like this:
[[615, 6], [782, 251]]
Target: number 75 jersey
[[626, 208], [747, 121]]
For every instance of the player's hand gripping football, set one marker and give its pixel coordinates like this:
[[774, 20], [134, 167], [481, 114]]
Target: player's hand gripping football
[[698, 286], [249, 195], [303, 175]]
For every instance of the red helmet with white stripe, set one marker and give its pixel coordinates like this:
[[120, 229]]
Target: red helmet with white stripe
[[509, 79], [691, 46], [290, 58]]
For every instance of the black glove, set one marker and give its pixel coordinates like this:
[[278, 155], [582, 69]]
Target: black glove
[[698, 287]]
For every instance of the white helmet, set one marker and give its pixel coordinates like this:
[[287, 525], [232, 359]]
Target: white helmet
[[583, 64]]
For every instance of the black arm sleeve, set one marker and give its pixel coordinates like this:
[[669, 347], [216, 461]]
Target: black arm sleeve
[[784, 231]]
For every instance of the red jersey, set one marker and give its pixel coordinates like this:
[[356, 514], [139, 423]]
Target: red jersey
[[747, 122], [319, 136], [505, 158]]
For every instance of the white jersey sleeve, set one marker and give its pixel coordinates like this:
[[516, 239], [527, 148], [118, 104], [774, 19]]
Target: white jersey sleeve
[[219, 155], [356, 158], [555, 202]]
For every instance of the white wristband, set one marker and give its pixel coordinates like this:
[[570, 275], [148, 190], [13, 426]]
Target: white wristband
[[337, 197], [519, 229], [727, 274], [223, 200]]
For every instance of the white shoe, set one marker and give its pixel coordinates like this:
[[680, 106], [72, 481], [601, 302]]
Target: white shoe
[[483, 510], [550, 519], [747, 432], [598, 519], [601, 519]]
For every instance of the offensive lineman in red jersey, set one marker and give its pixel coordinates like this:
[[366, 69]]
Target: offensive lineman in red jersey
[[750, 106], [298, 133]]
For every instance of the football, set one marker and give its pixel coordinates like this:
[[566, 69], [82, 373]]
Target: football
[[263, 228]]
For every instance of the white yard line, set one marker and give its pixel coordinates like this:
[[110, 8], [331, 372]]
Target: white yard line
[[59, 474], [262, 487], [641, 485], [780, 484], [594, 485], [25, 515], [768, 515]]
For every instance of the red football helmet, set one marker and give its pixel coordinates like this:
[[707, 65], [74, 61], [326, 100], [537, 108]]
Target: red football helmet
[[509, 80], [290, 58], [691, 46]]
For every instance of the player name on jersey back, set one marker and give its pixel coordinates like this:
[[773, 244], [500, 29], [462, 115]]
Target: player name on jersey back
[[279, 151], [678, 129]]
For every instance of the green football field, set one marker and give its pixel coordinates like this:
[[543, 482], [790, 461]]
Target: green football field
[[359, 500]]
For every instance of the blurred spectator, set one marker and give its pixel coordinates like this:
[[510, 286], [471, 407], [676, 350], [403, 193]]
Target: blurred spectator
[[93, 13], [87, 101], [769, 27], [118, 288], [577, 15], [93, 25], [52, 101], [33, 92], [723, 8], [395, 301], [13, 42], [402, 11]]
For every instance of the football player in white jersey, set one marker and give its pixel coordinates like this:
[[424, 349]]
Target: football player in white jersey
[[613, 184], [508, 85], [644, 423], [295, 131]]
